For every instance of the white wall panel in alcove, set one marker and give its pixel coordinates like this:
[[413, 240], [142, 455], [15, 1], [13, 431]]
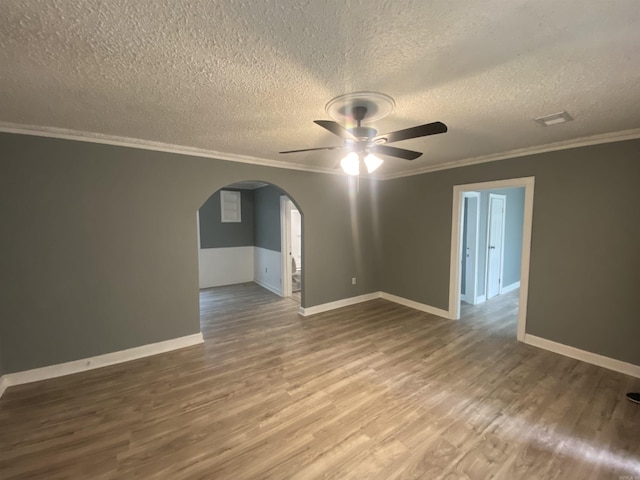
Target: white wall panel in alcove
[[225, 266], [268, 269]]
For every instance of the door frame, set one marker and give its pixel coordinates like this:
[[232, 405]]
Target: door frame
[[473, 298], [285, 245], [456, 244], [486, 263]]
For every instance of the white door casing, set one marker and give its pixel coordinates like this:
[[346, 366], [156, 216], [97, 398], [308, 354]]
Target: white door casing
[[456, 241]]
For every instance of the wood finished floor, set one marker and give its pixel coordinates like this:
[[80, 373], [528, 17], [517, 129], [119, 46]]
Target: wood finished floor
[[375, 390]]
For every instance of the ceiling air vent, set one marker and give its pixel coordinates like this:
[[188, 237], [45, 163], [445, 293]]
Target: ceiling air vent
[[554, 119]]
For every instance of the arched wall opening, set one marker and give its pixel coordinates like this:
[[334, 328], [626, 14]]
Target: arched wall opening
[[252, 231]]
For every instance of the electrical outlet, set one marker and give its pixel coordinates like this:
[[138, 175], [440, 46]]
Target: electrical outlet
[[353, 281], [265, 269]]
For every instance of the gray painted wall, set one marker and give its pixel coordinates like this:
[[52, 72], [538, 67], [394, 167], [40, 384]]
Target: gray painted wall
[[99, 246], [585, 261], [267, 217], [512, 235], [216, 234]]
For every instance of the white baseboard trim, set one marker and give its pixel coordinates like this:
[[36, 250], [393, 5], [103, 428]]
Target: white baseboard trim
[[4, 383], [480, 299], [82, 365], [583, 355], [416, 305], [345, 302], [510, 288], [271, 288]]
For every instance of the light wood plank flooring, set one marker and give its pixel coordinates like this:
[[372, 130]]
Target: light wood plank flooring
[[375, 391]]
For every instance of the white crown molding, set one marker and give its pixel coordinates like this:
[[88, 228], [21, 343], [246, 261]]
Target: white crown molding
[[583, 355], [522, 152], [84, 364], [90, 137]]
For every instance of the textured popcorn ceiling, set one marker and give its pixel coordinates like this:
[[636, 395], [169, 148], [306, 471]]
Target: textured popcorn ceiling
[[249, 77]]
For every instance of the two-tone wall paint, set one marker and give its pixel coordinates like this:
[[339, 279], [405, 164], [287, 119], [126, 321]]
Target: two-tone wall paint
[[100, 253], [217, 234], [244, 251], [267, 252], [226, 252]]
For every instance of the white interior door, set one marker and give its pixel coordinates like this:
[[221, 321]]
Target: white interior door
[[495, 243]]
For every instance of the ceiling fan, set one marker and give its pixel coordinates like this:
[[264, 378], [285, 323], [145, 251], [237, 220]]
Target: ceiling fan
[[363, 143]]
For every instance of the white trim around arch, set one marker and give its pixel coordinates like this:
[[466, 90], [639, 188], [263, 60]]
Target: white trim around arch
[[456, 244]]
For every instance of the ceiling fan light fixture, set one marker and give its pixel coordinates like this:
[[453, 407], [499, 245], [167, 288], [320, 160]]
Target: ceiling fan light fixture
[[359, 140], [351, 164], [372, 162]]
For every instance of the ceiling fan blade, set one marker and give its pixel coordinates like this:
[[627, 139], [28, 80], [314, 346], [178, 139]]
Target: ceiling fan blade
[[312, 149], [336, 129], [397, 152], [414, 132]]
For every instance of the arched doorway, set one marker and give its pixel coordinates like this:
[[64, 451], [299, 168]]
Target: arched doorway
[[252, 231]]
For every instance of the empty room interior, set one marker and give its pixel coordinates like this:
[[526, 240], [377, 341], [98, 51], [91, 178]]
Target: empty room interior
[[368, 240]]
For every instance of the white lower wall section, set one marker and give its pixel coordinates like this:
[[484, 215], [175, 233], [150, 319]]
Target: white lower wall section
[[225, 266], [53, 371], [228, 266], [267, 269]]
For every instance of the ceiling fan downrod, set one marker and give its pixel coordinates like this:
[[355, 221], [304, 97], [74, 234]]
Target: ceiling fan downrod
[[359, 113]]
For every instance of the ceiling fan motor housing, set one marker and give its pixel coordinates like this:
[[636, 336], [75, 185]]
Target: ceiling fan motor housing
[[363, 133]]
